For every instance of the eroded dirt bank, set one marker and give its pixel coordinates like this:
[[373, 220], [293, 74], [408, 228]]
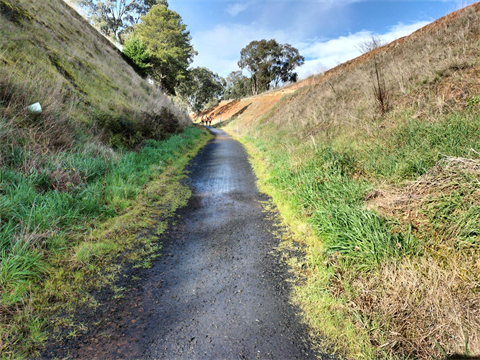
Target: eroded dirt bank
[[219, 291]]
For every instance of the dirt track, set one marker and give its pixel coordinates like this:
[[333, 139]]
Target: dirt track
[[219, 291]]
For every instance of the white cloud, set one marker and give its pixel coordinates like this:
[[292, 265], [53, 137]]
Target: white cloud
[[237, 8], [400, 30], [323, 55], [460, 4], [219, 48]]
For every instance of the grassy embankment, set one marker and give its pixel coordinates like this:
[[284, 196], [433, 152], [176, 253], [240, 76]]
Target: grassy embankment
[[387, 205], [80, 182]]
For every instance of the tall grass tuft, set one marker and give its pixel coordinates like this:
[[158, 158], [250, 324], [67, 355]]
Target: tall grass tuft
[[44, 212], [381, 208]]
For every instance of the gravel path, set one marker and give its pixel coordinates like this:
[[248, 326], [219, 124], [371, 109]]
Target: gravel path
[[219, 291]]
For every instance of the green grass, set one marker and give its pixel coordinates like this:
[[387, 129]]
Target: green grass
[[31, 210], [43, 231], [415, 146], [324, 187], [323, 191]]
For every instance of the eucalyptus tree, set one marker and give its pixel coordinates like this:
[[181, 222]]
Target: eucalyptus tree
[[114, 17], [200, 86], [285, 62], [237, 86], [269, 63]]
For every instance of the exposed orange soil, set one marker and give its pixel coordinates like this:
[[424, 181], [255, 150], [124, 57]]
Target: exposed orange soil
[[250, 108], [256, 106]]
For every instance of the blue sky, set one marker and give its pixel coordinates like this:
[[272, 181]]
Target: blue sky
[[325, 32]]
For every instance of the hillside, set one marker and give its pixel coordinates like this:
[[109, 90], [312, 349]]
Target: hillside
[[50, 54], [80, 181], [405, 63], [374, 165]]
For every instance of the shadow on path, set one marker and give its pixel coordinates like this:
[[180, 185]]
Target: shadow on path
[[220, 289]]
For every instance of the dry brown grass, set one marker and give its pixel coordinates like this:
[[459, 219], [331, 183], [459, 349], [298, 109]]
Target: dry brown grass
[[421, 300], [432, 71], [407, 202], [435, 296], [38, 136]]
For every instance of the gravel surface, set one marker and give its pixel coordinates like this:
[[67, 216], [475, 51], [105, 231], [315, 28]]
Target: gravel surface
[[219, 290]]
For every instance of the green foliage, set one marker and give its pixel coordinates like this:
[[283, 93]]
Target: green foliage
[[416, 146], [200, 86], [87, 252], [237, 86], [129, 129], [270, 63], [326, 189], [361, 238], [14, 13], [169, 45], [323, 189], [114, 17], [39, 226], [137, 52], [20, 265], [456, 216], [473, 102]]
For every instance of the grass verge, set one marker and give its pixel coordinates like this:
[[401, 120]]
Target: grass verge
[[389, 221], [69, 231]]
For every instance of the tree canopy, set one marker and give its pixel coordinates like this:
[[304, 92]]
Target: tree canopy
[[199, 87], [269, 63], [237, 86], [169, 45], [136, 50], [114, 17]]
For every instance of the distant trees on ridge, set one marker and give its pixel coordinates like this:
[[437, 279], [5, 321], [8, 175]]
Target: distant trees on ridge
[[157, 41]]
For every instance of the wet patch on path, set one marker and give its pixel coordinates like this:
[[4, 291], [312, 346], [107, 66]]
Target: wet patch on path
[[219, 290]]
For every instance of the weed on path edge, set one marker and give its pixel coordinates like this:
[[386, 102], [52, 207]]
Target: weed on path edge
[[373, 281], [91, 255]]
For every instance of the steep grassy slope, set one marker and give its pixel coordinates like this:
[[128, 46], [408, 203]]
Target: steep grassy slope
[[386, 200], [50, 54], [107, 144]]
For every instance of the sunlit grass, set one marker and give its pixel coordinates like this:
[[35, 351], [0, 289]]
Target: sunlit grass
[[321, 190], [48, 249]]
